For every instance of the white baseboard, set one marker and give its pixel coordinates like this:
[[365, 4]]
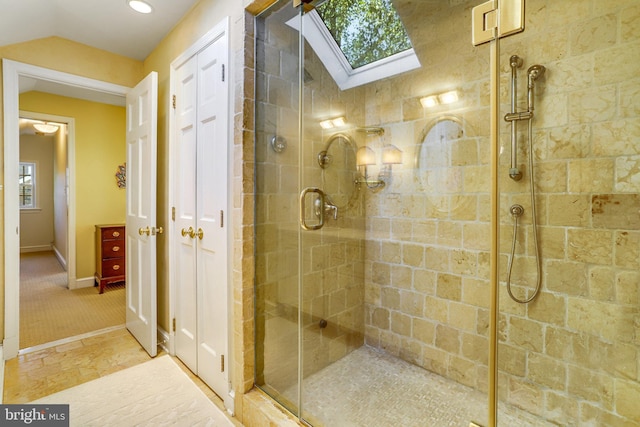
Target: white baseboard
[[61, 259], [38, 248], [85, 282]]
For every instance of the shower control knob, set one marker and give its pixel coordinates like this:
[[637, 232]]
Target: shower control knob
[[516, 210]]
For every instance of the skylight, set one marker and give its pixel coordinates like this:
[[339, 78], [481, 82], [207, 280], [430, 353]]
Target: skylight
[[358, 41], [365, 30]]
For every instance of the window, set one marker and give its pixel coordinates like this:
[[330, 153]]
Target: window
[[27, 185], [358, 41]]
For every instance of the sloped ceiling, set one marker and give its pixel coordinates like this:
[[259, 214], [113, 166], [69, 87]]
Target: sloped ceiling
[[105, 24]]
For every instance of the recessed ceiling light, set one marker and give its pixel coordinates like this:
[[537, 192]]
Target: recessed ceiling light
[[140, 6]]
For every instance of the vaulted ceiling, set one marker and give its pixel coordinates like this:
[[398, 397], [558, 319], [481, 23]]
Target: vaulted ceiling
[[105, 24]]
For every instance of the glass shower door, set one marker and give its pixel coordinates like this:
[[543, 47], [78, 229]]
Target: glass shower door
[[277, 189]]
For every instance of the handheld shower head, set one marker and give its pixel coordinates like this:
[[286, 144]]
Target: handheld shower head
[[536, 71]]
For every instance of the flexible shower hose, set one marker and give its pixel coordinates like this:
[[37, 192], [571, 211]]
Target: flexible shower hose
[[535, 231]]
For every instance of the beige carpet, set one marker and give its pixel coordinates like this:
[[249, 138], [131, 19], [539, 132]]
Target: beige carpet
[[50, 312], [155, 393]]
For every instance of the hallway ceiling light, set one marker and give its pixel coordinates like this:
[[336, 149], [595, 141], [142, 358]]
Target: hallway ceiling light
[[45, 127], [140, 6]]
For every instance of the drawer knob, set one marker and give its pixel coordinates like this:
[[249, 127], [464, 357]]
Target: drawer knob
[[116, 234], [116, 267], [115, 248]]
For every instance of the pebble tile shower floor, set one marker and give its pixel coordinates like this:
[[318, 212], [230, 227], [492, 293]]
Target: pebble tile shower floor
[[370, 388]]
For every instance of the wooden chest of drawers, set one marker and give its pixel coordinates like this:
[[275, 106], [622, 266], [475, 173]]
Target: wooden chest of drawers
[[110, 255]]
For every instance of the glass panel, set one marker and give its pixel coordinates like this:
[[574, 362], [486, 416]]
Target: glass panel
[[365, 30], [395, 291], [570, 357], [277, 189]]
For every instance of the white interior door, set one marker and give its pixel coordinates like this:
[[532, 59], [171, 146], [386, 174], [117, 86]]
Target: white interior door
[[200, 236], [141, 305], [211, 208], [185, 213]]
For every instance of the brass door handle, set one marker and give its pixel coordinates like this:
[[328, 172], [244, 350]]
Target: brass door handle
[[200, 233], [145, 230], [158, 230], [190, 232]]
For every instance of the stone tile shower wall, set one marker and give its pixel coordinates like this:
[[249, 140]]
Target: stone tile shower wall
[[572, 355]]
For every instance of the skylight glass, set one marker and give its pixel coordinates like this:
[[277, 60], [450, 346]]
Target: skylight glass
[[365, 30], [358, 41]]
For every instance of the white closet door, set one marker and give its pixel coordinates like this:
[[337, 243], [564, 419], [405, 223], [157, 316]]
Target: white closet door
[[211, 205], [185, 213], [200, 200]]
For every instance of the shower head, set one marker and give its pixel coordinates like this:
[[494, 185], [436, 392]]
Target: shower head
[[536, 71], [515, 61]]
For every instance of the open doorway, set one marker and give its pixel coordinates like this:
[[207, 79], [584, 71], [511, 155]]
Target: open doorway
[[51, 82]]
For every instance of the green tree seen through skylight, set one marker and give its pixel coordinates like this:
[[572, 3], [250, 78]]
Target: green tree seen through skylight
[[365, 30]]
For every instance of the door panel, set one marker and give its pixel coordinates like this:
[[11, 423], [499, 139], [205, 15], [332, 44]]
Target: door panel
[[211, 208], [141, 306], [185, 183]]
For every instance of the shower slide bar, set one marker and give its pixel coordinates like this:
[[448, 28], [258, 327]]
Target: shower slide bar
[[534, 72]]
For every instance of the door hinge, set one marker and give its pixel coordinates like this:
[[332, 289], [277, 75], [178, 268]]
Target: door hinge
[[222, 363], [173, 213], [489, 21], [223, 72], [174, 324], [173, 101], [221, 219]]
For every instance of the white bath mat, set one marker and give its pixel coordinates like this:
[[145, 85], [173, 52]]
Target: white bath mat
[[155, 393]]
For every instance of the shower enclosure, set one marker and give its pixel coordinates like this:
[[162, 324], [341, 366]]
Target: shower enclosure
[[376, 209]]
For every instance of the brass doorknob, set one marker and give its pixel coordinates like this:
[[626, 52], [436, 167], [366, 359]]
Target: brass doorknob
[[200, 233], [190, 232], [159, 230], [145, 230]]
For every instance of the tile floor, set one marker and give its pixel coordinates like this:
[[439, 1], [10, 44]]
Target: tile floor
[[42, 372], [371, 388]]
